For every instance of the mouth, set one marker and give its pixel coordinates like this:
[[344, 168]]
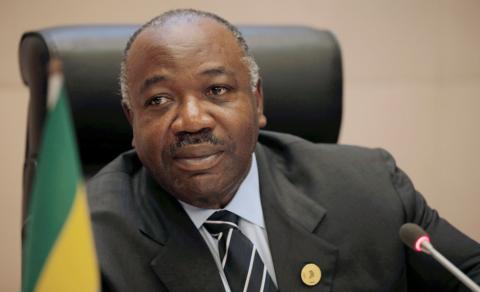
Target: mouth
[[198, 157]]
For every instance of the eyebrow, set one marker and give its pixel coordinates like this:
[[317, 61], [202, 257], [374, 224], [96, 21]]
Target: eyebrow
[[151, 81], [212, 72]]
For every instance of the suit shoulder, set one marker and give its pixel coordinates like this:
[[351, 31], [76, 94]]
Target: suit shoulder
[[300, 151], [113, 180], [312, 167], [126, 164]]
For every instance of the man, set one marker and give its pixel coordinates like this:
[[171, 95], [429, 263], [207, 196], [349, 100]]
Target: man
[[291, 215]]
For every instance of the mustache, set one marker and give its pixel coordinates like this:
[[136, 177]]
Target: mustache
[[185, 138]]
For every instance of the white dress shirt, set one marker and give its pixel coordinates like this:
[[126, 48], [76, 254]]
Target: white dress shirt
[[246, 204]]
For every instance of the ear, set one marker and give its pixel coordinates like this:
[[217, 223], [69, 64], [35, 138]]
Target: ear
[[262, 119], [127, 111]]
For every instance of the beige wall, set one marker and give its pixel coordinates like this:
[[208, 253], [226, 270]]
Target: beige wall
[[412, 85]]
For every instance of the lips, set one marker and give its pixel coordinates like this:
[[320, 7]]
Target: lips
[[197, 157]]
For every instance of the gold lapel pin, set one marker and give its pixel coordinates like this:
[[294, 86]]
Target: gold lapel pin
[[311, 274]]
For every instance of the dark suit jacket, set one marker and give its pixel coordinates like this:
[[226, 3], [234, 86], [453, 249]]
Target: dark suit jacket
[[339, 207]]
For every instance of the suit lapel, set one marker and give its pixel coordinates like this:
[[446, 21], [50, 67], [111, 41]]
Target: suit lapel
[[183, 261], [291, 218]]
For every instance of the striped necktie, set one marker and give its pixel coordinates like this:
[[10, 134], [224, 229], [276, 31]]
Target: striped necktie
[[243, 267]]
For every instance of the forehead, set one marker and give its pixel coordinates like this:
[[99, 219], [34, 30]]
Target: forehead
[[184, 43]]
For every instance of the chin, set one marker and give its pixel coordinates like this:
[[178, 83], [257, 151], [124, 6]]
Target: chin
[[205, 191]]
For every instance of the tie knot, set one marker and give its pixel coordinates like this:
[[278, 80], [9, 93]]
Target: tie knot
[[220, 222]]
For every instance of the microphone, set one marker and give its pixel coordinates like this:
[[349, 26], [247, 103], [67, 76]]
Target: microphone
[[417, 239]]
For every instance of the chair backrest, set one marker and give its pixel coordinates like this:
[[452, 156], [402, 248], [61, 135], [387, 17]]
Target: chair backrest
[[300, 68]]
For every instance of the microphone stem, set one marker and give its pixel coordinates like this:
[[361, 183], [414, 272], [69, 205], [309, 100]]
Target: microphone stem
[[428, 248]]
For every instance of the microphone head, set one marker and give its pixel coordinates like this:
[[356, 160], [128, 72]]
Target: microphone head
[[413, 236]]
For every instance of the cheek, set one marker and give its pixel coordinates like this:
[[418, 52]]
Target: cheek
[[149, 137], [244, 131]]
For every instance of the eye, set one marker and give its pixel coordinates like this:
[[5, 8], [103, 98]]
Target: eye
[[156, 100], [217, 90]]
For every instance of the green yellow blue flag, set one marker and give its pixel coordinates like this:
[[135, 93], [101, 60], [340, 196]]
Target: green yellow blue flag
[[59, 252]]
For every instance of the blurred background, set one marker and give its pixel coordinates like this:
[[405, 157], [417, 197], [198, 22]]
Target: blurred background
[[411, 85]]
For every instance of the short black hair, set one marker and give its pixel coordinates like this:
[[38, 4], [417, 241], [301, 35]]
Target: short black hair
[[187, 13]]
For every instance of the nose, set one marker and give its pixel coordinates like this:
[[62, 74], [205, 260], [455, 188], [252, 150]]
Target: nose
[[192, 116]]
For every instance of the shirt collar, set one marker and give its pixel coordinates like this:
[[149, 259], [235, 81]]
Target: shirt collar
[[246, 202]]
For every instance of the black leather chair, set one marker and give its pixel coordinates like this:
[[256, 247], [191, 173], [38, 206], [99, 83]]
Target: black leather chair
[[300, 67]]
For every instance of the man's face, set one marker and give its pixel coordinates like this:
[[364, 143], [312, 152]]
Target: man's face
[[194, 116]]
